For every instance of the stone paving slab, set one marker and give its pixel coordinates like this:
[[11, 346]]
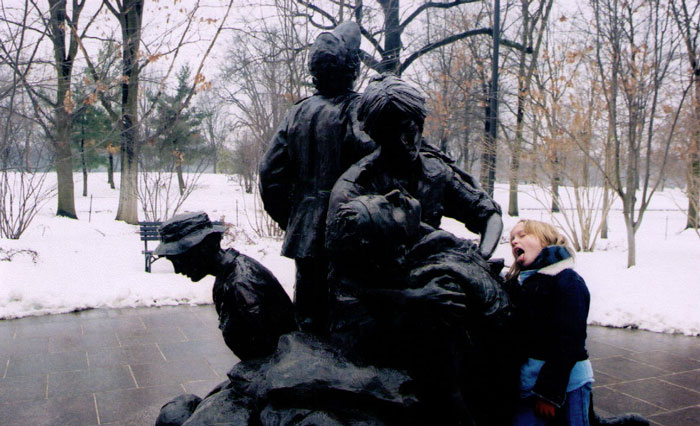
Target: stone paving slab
[[119, 366], [654, 374]]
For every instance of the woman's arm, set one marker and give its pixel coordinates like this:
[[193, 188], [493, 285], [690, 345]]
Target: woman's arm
[[569, 313]]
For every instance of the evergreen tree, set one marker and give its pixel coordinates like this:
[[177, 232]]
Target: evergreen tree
[[175, 142], [92, 136]]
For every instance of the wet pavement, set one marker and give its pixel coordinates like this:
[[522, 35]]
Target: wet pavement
[[119, 366]]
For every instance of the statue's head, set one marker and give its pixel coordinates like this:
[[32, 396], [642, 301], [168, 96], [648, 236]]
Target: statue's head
[[190, 241], [374, 226], [392, 113], [334, 60]]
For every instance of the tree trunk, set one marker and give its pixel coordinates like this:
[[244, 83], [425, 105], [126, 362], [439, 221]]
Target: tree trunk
[[694, 173], [556, 181], [64, 177], [443, 142], [685, 17], [523, 83], [492, 116], [27, 151], [392, 42], [248, 183], [62, 119], [606, 209], [488, 155], [128, 190], [466, 154], [513, 181], [514, 172], [128, 183], [631, 241], [110, 170], [694, 192], [556, 208], [180, 179], [129, 14], [84, 166]]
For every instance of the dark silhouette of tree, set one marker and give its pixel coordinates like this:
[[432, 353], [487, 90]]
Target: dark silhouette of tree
[[387, 38]]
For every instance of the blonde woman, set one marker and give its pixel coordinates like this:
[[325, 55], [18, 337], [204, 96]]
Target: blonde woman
[[552, 303]]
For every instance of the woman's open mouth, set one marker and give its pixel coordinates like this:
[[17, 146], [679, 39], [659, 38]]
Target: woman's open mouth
[[517, 253]]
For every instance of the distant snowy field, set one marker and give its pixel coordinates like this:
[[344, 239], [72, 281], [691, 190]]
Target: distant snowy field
[[96, 262]]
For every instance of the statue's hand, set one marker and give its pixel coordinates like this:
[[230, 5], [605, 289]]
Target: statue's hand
[[490, 235]]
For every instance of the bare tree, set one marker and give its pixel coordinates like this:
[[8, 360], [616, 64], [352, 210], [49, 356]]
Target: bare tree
[[385, 27], [566, 116], [64, 56], [444, 77], [266, 75], [160, 192], [532, 30], [555, 80], [216, 125], [634, 51], [129, 15], [476, 88], [54, 106], [258, 219], [22, 194], [687, 18], [23, 166], [105, 76], [245, 158]]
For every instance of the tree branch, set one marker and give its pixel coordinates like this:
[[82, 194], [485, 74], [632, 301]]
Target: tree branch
[[517, 46], [432, 5], [73, 23], [371, 39], [92, 21], [22, 75], [111, 8], [370, 61], [206, 54], [318, 10], [96, 77], [447, 40], [172, 62]]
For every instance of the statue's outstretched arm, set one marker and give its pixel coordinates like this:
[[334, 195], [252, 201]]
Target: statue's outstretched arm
[[490, 235]]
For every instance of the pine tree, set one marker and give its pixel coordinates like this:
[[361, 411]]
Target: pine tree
[[176, 142], [91, 137]]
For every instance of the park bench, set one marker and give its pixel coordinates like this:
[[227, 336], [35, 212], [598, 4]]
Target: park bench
[[150, 231]]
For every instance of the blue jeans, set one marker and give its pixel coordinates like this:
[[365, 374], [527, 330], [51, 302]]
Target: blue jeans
[[573, 413]]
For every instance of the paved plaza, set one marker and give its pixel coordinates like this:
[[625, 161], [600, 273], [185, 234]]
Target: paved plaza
[[119, 366]]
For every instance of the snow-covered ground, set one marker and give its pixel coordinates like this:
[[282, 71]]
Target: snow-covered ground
[[96, 262]]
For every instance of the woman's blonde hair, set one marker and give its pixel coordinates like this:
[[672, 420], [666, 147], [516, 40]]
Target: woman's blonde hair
[[546, 233]]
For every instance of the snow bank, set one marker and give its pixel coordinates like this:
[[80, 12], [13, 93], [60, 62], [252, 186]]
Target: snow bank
[[96, 262]]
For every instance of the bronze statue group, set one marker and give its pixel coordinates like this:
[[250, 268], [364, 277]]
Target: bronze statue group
[[394, 321]]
